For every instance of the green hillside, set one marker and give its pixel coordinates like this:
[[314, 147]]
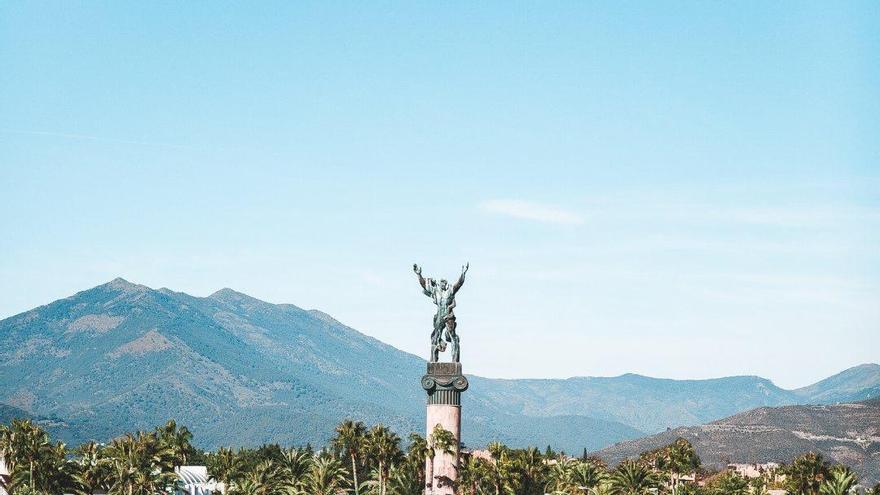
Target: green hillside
[[237, 370], [240, 371]]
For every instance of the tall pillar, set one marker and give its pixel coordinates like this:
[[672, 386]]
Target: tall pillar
[[444, 384]]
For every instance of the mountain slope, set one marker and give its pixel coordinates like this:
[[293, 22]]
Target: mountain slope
[[240, 371], [649, 404], [844, 433], [852, 385], [237, 370]]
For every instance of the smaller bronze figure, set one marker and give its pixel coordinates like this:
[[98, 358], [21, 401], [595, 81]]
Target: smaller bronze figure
[[444, 319]]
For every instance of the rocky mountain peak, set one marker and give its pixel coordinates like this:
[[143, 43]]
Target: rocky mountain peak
[[120, 284], [228, 295]]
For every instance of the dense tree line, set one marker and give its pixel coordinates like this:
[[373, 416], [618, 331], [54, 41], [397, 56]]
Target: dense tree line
[[375, 461]]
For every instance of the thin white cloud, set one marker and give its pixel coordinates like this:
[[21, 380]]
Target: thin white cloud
[[528, 210]]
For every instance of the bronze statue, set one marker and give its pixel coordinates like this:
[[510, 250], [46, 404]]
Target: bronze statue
[[444, 319]]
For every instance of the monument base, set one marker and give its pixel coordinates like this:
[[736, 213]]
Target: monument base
[[444, 384]]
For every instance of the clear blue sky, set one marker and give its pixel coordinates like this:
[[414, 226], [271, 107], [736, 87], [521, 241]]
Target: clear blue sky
[[677, 189]]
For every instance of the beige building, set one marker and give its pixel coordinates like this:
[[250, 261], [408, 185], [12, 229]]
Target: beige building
[[753, 470]]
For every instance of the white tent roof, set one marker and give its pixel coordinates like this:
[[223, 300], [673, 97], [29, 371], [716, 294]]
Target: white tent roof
[[192, 475]]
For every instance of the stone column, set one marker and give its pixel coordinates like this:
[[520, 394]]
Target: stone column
[[444, 384]]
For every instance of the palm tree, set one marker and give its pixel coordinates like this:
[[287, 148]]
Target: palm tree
[[384, 446], [246, 486], [403, 481], [266, 478], [32, 442], [530, 465], [225, 466], [588, 476], [567, 476], [178, 440], [841, 482], [502, 474], [350, 440], [56, 472], [295, 464], [681, 458], [474, 475], [31, 459], [729, 483], [496, 449], [758, 486], [805, 475], [51, 472], [325, 476], [8, 450], [416, 455], [603, 488], [560, 479], [631, 478], [92, 473], [140, 465], [22, 445]]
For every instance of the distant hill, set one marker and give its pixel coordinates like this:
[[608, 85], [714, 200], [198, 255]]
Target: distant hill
[[844, 433], [648, 404], [56, 427], [8, 413], [240, 371], [853, 385]]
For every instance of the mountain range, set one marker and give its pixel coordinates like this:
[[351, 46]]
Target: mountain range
[[240, 371], [845, 433]]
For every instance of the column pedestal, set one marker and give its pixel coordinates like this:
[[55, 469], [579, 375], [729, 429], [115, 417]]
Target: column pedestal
[[444, 384]]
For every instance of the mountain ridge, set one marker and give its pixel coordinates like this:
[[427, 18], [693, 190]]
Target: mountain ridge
[[224, 294], [853, 384], [121, 356]]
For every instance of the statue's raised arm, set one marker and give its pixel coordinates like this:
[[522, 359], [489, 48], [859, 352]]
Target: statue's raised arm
[[460, 281], [422, 281]]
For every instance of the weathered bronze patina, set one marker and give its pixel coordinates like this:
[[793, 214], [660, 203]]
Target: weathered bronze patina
[[443, 296]]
